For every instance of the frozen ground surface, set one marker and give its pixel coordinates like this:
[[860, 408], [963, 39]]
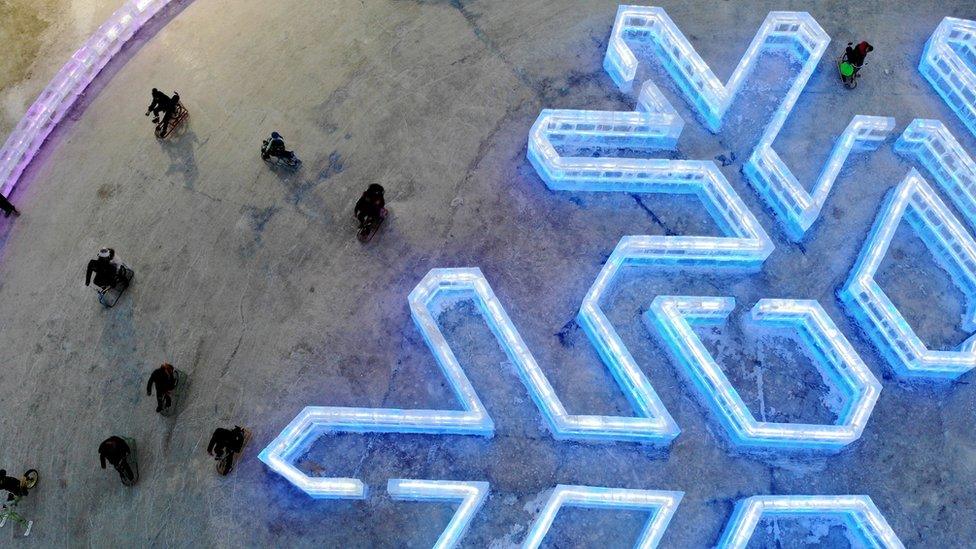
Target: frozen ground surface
[[253, 282]]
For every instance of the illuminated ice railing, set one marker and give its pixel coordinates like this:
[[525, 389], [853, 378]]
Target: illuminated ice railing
[[662, 504], [955, 251], [472, 496], [949, 64], [931, 144], [63, 90], [860, 515], [653, 423], [675, 319], [796, 208], [796, 33]]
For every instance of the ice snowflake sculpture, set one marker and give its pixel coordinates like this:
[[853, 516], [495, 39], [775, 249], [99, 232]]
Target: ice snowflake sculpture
[[471, 494]]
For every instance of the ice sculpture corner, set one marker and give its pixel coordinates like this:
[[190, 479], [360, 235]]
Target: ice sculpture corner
[[863, 519], [949, 64]]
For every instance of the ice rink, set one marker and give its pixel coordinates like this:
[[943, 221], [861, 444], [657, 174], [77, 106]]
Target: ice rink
[[252, 281]]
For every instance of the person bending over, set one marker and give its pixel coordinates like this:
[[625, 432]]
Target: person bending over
[[856, 54], [115, 450], [164, 379], [371, 205], [226, 440], [104, 268]]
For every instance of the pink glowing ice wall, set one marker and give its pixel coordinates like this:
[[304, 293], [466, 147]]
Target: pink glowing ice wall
[[64, 89]]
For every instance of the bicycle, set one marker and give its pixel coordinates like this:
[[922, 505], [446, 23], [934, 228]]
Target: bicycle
[[125, 275], [9, 509], [225, 462], [179, 115]]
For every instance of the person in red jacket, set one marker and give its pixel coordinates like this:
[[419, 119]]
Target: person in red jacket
[[856, 54]]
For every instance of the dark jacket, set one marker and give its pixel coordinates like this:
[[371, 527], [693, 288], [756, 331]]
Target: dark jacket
[[105, 272], [224, 440], [113, 450], [163, 380]]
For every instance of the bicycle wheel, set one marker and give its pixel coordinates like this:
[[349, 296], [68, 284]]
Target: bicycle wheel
[[225, 464], [30, 478]]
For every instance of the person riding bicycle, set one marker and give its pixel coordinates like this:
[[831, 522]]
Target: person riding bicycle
[[106, 270], [115, 450], [14, 487], [226, 440], [164, 379], [165, 104], [275, 146], [224, 443], [160, 103], [371, 205], [855, 55]]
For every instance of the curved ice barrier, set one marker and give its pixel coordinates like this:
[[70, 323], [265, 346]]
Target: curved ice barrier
[[63, 90], [471, 494], [662, 504], [676, 319], [953, 248], [949, 64], [859, 513]]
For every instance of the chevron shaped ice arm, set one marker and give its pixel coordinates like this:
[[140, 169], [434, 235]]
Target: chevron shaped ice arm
[[862, 517], [654, 125], [472, 496], [949, 64], [796, 33], [675, 319], [934, 147], [796, 208], [662, 504], [67, 85], [952, 247], [654, 424]]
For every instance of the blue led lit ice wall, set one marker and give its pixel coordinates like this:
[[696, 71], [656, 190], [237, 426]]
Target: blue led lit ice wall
[[661, 504], [743, 246], [676, 319], [949, 64], [862, 517]]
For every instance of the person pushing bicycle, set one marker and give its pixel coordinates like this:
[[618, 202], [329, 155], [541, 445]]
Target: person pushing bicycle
[[115, 450], [164, 380]]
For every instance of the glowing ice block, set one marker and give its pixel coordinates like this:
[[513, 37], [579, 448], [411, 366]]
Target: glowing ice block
[[472, 496], [952, 247], [795, 33], [663, 505], [676, 318], [796, 208], [653, 423], [860, 515], [67, 85], [949, 64], [934, 147]]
